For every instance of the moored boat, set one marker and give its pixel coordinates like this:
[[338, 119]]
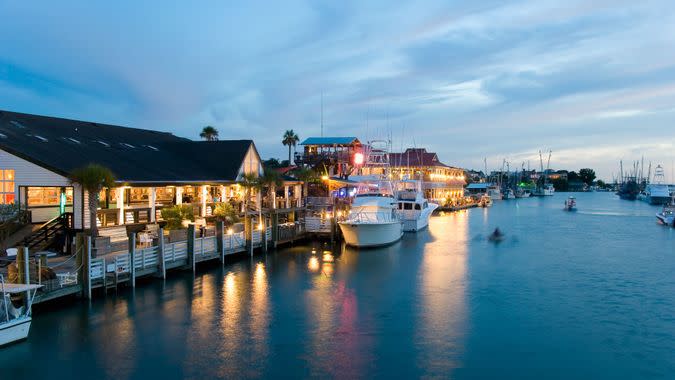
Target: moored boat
[[413, 209], [372, 220], [15, 322], [657, 192], [667, 215]]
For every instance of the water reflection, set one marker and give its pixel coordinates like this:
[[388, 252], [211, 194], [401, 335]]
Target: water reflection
[[442, 315]]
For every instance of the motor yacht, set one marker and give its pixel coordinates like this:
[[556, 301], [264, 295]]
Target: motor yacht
[[413, 209]]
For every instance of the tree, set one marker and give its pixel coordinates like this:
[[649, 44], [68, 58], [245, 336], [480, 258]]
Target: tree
[[270, 179], [305, 175], [93, 178], [209, 133], [271, 163], [290, 139], [572, 176], [587, 176], [600, 184]]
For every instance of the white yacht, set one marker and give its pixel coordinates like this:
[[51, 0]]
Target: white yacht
[[545, 191], [657, 192], [373, 220], [15, 322], [413, 209], [522, 193]]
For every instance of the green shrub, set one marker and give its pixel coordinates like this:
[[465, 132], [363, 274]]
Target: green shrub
[[175, 215], [226, 212]]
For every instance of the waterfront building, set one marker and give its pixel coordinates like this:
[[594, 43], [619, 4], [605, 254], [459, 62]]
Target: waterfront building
[[441, 183], [153, 170], [332, 154]]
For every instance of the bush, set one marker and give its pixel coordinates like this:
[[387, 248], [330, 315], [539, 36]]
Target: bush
[[227, 213], [175, 215], [8, 211]]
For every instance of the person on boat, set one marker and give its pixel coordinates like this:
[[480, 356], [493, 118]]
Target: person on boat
[[497, 235]]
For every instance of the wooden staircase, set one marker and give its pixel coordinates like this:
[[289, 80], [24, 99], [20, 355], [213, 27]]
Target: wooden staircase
[[49, 232]]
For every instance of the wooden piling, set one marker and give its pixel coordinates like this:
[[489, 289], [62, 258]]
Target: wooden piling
[[86, 266], [191, 247], [160, 254], [132, 258], [220, 231]]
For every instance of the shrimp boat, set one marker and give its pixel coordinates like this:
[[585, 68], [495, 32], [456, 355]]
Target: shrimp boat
[[413, 209], [571, 204], [373, 220], [15, 322]]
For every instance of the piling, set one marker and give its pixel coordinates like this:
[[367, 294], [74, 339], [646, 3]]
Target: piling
[[191, 246], [220, 230], [160, 255], [132, 259]]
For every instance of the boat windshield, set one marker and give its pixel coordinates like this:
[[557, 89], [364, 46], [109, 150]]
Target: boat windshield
[[375, 189]]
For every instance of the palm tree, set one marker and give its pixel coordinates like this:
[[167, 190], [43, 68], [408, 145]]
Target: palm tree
[[271, 179], [209, 133], [305, 175], [93, 178], [290, 139]]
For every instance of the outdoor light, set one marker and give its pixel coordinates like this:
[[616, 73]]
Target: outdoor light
[[358, 158], [260, 226], [324, 177], [230, 231]]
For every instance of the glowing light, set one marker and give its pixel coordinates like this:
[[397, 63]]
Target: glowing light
[[358, 158], [313, 264], [324, 177], [260, 226], [339, 214], [327, 257], [230, 231], [229, 282], [260, 269]]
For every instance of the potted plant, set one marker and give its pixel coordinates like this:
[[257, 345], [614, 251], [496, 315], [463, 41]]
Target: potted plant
[[226, 213], [177, 218]]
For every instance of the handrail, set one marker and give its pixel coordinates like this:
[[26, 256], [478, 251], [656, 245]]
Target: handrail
[[49, 230]]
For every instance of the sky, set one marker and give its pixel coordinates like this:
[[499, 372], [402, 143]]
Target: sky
[[592, 81]]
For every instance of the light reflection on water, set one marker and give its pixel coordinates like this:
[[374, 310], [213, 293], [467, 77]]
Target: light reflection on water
[[591, 295]]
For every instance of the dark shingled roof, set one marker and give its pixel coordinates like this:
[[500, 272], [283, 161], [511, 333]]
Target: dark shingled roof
[[349, 140], [134, 155], [415, 157]]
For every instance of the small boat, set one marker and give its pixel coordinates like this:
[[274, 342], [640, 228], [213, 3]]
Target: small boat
[[546, 191], [508, 194], [494, 193], [667, 215], [522, 193], [15, 322], [485, 201], [571, 204], [496, 236]]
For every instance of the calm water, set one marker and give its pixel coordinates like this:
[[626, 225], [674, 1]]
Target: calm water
[[589, 294]]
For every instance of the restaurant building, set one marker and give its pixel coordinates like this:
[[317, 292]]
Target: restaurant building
[[153, 170]]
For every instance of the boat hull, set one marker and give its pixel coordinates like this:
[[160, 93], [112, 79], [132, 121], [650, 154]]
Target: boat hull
[[667, 220], [367, 235], [658, 200], [14, 330]]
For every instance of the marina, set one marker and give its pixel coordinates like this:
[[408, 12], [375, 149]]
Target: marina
[[318, 309]]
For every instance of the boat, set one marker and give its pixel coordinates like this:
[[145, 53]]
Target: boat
[[628, 190], [494, 193], [15, 322], [508, 194], [485, 201], [657, 192], [373, 220], [544, 191], [570, 204], [496, 236], [667, 215], [522, 193], [413, 209]]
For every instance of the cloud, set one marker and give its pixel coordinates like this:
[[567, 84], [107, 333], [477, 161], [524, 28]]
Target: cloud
[[467, 79]]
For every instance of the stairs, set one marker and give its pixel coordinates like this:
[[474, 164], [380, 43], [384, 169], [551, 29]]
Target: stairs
[[49, 232]]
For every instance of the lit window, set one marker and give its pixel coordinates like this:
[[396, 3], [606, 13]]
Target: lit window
[[48, 196], [7, 195]]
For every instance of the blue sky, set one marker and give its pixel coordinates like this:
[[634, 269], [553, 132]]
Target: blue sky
[[594, 81]]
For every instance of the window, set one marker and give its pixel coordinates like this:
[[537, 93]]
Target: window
[[417, 206], [407, 206], [48, 196], [7, 186]]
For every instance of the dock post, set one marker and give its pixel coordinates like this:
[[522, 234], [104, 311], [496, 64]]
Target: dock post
[[263, 234], [248, 233], [275, 228], [86, 266], [23, 268], [79, 260], [160, 254], [191, 246], [220, 231], [132, 258]]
